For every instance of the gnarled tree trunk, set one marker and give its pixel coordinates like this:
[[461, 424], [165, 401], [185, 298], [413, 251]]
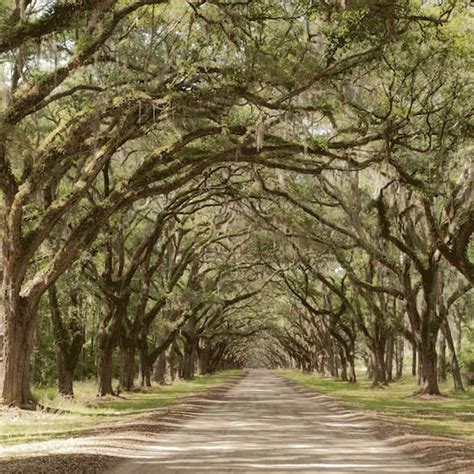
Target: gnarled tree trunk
[[105, 350], [204, 354], [189, 358], [342, 356], [68, 343], [127, 364], [18, 318], [174, 362], [160, 372], [428, 377], [65, 375], [377, 357]]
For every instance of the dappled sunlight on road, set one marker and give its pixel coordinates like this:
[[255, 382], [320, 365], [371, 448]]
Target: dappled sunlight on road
[[264, 425]]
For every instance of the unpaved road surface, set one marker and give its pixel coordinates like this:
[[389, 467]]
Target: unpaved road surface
[[264, 425]]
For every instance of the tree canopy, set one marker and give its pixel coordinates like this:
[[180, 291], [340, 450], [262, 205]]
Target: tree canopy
[[231, 183]]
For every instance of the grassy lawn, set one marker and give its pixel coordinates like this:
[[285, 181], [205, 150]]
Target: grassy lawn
[[84, 412], [453, 415]]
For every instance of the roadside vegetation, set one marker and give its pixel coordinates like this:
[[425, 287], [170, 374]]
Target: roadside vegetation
[[83, 413], [452, 414]]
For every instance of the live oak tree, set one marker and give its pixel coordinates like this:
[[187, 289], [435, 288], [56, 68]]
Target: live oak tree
[[73, 148], [111, 108], [52, 57], [69, 148], [384, 285]]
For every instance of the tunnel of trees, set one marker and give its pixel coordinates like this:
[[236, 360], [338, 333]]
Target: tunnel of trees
[[188, 186]]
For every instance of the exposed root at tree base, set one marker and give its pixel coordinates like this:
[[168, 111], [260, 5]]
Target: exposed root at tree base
[[107, 398], [56, 411], [426, 396]]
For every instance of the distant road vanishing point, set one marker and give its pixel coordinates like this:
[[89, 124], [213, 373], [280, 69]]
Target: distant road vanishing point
[[264, 425]]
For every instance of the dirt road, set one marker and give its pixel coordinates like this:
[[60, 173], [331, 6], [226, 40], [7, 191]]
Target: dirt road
[[264, 425]]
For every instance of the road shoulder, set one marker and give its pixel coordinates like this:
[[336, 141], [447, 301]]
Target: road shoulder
[[445, 453], [95, 453]]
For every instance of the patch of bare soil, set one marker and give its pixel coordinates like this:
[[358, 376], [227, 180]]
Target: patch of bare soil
[[59, 463], [444, 453], [163, 420]]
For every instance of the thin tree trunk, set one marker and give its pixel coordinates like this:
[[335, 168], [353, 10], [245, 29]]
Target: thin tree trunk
[[418, 369], [368, 364], [344, 376], [458, 333], [145, 369], [399, 356], [173, 361], [336, 361], [414, 363], [324, 363], [389, 358], [160, 368], [204, 360], [441, 357], [65, 375], [189, 359], [457, 379], [68, 343], [352, 373], [330, 358], [145, 372], [316, 363]]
